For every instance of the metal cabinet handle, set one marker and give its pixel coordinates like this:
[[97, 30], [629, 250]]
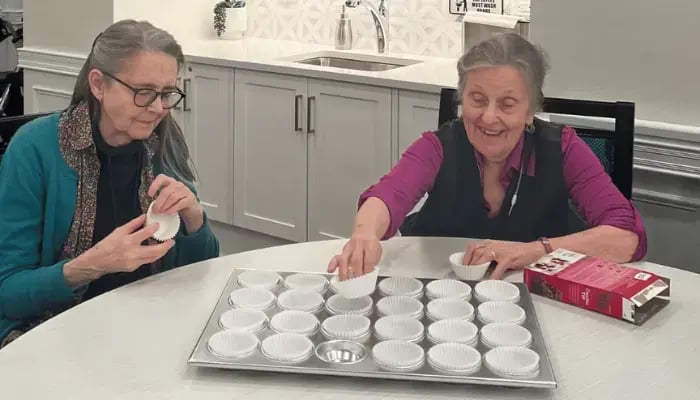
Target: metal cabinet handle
[[186, 88], [308, 114], [297, 100]]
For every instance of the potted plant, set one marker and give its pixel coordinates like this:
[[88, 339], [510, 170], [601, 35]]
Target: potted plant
[[230, 19]]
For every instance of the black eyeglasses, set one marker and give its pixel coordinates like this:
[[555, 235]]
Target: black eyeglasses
[[144, 97]]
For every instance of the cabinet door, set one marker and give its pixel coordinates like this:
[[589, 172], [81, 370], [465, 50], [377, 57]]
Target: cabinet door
[[349, 150], [418, 112], [209, 134], [270, 154]]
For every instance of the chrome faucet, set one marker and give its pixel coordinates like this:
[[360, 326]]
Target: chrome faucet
[[377, 14]]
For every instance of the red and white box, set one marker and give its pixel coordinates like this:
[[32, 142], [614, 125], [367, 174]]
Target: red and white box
[[599, 285]]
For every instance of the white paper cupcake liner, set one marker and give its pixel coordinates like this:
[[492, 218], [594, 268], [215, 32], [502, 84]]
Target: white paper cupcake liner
[[397, 355], [448, 288], [467, 272], [233, 344], [300, 300], [287, 348], [453, 331], [454, 358], [401, 286], [314, 282], [516, 362], [502, 334], [338, 304], [267, 280], [500, 311], [363, 285], [168, 227], [399, 328], [496, 290], [346, 326], [252, 298], [293, 321], [243, 319], [449, 308], [401, 306]]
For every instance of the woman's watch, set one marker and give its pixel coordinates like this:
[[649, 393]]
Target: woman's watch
[[547, 245]]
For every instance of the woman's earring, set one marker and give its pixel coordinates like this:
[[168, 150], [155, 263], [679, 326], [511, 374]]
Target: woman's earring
[[530, 128]]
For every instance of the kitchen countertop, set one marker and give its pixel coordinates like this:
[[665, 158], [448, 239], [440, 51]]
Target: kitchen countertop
[[268, 55]]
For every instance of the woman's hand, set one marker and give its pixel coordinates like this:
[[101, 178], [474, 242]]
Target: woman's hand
[[506, 255], [172, 196], [120, 251], [360, 255]]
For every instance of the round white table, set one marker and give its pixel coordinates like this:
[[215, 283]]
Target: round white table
[[134, 342]]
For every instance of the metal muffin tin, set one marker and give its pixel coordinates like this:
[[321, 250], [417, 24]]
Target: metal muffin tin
[[354, 359]]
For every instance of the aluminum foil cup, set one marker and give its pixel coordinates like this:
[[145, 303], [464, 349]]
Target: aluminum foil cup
[[496, 290], [233, 344], [341, 352]]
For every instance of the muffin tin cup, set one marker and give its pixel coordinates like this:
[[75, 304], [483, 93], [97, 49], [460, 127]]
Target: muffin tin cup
[[346, 327], [496, 290], [337, 304], [513, 362], [287, 348], [252, 298], [233, 344], [242, 319], [400, 306], [293, 321], [267, 280], [398, 355], [448, 288], [399, 328], [454, 358], [312, 282], [500, 311], [500, 334], [300, 300], [453, 331], [449, 308], [401, 286]]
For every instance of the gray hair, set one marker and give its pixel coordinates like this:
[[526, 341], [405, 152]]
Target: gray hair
[[117, 43], [508, 49]]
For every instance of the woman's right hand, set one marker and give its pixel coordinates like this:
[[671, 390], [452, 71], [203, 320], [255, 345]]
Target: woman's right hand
[[121, 251], [360, 255]]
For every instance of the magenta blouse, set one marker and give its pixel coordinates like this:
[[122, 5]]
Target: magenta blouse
[[590, 187]]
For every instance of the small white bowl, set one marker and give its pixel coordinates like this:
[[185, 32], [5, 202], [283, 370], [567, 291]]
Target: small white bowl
[[363, 285], [467, 272]]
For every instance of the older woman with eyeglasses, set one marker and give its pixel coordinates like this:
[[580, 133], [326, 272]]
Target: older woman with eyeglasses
[[75, 185], [499, 174]]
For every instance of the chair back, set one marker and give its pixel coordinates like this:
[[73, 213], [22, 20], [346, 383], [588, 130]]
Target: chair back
[[613, 148], [10, 125]]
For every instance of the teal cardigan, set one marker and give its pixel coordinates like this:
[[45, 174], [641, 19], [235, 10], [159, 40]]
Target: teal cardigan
[[37, 202]]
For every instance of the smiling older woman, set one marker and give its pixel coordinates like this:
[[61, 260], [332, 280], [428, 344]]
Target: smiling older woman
[[497, 173]]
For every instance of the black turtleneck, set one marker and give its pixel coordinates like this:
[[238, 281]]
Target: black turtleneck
[[117, 202]]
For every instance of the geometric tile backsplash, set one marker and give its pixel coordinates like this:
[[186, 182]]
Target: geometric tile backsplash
[[422, 27]]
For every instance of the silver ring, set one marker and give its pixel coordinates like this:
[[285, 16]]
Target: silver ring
[[350, 272]]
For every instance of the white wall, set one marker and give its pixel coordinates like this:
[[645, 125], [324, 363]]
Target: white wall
[[66, 25], [185, 19], [11, 4], [635, 50]]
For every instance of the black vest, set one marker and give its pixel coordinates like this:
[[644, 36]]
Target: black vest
[[456, 206]]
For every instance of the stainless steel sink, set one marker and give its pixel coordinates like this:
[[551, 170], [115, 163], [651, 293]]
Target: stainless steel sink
[[357, 62]]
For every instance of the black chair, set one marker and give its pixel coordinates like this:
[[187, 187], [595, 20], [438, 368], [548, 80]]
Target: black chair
[[10, 125], [613, 148]]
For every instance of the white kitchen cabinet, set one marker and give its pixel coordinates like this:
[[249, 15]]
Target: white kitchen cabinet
[[304, 151], [206, 117], [349, 150], [270, 182], [418, 112]]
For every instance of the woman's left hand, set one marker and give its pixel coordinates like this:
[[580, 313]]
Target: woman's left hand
[[507, 255], [172, 196]]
